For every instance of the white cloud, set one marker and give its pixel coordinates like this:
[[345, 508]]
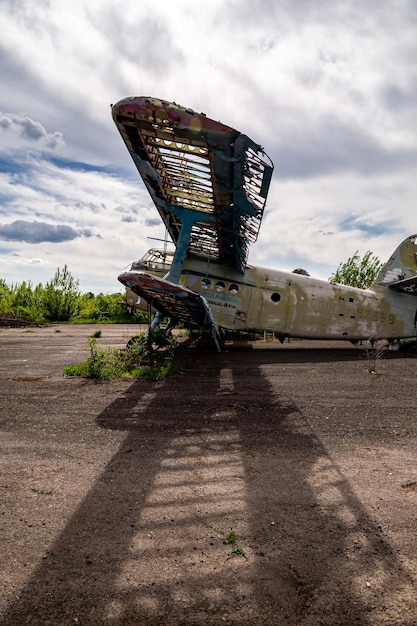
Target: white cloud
[[14, 258], [328, 88], [18, 130]]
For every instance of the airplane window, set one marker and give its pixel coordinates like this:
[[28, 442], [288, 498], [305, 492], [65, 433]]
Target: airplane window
[[219, 285], [233, 289], [205, 283], [275, 297]]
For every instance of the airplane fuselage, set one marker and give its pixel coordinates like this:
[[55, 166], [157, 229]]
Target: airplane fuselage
[[293, 305]]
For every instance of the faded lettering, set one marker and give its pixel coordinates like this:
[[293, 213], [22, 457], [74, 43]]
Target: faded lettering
[[222, 300], [375, 316], [330, 307], [323, 306]]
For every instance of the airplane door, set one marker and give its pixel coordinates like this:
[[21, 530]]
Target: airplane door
[[274, 306]]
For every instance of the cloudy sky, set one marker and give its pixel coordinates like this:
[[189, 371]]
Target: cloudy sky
[[327, 87]]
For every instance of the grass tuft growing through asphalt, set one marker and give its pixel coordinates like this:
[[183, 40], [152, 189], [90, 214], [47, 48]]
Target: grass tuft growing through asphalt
[[152, 357]]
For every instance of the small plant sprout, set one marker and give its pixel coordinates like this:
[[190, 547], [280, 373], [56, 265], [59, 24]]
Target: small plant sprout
[[236, 550], [231, 537]]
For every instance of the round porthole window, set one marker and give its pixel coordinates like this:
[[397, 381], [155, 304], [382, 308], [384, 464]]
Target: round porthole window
[[219, 285], [205, 283], [275, 297], [233, 289]]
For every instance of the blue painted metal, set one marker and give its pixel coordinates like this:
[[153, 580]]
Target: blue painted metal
[[191, 162]]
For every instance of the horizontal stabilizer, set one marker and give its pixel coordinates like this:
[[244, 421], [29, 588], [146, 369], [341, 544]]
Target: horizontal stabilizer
[[408, 285]]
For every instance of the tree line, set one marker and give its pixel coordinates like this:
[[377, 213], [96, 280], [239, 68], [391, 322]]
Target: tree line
[[60, 300]]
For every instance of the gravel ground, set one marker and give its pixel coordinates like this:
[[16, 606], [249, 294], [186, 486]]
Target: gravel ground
[[117, 497]]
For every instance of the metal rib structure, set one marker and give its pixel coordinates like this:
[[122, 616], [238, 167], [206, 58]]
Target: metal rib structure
[[198, 172]]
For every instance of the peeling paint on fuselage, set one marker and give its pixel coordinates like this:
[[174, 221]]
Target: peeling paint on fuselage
[[293, 305]]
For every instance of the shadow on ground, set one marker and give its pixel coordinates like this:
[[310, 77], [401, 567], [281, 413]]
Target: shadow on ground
[[214, 450]]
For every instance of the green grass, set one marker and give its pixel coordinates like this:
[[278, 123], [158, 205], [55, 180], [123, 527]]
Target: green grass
[[153, 360], [231, 537], [236, 550]]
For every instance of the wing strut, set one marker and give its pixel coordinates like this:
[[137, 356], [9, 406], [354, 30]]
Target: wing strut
[[188, 220]]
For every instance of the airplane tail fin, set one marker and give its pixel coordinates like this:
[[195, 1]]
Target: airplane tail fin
[[400, 271]]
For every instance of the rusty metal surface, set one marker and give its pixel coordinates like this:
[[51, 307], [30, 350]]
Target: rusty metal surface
[[191, 163]]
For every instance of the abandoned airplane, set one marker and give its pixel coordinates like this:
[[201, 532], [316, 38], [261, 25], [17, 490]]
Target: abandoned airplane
[[209, 184]]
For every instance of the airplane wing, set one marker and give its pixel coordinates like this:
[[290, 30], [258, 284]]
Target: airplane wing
[[170, 299], [190, 162]]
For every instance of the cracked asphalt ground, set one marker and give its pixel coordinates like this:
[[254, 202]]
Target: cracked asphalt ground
[[116, 497]]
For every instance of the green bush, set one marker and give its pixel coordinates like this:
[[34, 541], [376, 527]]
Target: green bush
[[61, 301], [153, 360], [407, 345]]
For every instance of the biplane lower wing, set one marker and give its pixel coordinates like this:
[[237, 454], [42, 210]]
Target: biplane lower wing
[[171, 300]]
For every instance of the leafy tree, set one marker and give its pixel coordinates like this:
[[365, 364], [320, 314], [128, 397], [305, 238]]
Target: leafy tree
[[357, 271], [61, 296], [6, 297]]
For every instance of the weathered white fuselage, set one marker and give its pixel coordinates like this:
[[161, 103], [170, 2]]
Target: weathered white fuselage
[[293, 305]]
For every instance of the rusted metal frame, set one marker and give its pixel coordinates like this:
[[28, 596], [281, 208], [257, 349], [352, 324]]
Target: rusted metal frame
[[182, 169], [164, 303], [182, 164], [204, 241], [198, 162], [176, 182], [186, 137], [171, 157], [197, 150], [176, 163], [198, 158], [167, 175], [195, 198]]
